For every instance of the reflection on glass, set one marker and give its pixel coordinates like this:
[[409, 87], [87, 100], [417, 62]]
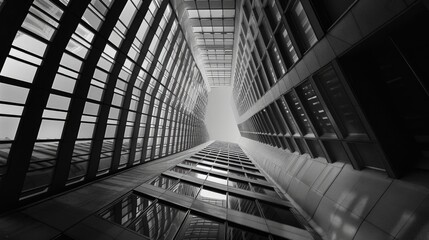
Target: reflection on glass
[[243, 205], [219, 170], [197, 174], [215, 198], [179, 170], [201, 228], [251, 170], [159, 222], [186, 189], [256, 177], [279, 214], [189, 163], [265, 190], [163, 182], [126, 210], [207, 162], [236, 173], [205, 167], [239, 184], [236, 233], [217, 179]]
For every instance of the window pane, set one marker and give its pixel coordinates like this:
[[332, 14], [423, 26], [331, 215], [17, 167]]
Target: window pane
[[186, 189], [280, 214], [299, 114], [217, 179], [159, 222], [163, 182], [18, 70], [315, 110], [212, 197], [197, 174], [243, 205], [127, 209], [307, 35], [239, 184], [236, 233], [14, 94], [337, 97], [50, 129], [265, 190], [8, 128], [201, 228]]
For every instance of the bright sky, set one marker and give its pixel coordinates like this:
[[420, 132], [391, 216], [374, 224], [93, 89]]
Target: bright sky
[[220, 120]]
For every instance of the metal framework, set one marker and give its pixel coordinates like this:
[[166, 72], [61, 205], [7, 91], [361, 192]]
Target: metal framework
[[88, 88]]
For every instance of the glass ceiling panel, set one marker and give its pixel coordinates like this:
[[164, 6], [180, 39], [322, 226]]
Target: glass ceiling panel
[[212, 25]]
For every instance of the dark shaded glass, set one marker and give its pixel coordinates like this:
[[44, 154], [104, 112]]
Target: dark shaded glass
[[279, 214], [186, 189], [303, 27], [163, 182], [272, 13], [336, 97], [286, 47], [212, 197], [159, 222], [315, 148], [287, 116], [315, 110], [241, 204], [236, 233], [336, 151], [126, 210], [197, 227], [299, 114]]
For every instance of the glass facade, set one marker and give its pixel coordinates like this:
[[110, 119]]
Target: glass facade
[[274, 35], [185, 206], [88, 89]]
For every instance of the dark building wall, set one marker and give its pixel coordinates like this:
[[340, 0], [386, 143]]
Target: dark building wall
[[343, 128], [344, 203], [357, 94]]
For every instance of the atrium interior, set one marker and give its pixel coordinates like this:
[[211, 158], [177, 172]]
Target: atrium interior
[[214, 119]]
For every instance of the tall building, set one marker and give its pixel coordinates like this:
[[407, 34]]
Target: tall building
[[102, 108]]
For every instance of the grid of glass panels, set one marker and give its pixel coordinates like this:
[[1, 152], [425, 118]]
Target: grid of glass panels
[[123, 92], [212, 24], [273, 36], [317, 117], [205, 178]]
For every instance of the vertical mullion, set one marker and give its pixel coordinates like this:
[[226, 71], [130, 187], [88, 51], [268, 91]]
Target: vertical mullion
[[22, 148], [72, 124]]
